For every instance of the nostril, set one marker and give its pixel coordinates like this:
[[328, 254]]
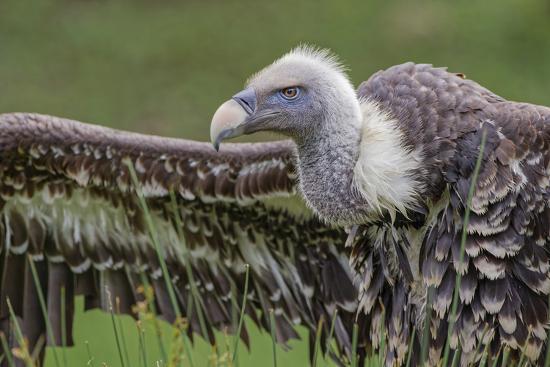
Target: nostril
[[247, 103], [247, 100]]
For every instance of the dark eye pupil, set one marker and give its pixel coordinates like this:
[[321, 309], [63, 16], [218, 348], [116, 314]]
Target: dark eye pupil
[[290, 92]]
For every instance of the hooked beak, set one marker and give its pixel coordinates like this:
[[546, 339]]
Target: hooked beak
[[233, 117]]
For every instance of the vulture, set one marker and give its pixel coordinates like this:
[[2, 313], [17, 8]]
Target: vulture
[[413, 211]]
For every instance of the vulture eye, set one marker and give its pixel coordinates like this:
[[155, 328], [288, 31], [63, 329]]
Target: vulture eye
[[290, 93]]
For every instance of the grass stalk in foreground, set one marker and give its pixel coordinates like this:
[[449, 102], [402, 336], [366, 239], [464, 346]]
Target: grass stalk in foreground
[[234, 323], [149, 310], [7, 350], [507, 353], [496, 357], [354, 345], [317, 340], [485, 331], [38, 347], [186, 263], [484, 356], [522, 356], [227, 349], [466, 220], [153, 234], [194, 296], [456, 356], [111, 310], [186, 341], [89, 352], [241, 317], [154, 238], [330, 332], [141, 344], [177, 346], [22, 352], [41, 300], [122, 334], [409, 348]]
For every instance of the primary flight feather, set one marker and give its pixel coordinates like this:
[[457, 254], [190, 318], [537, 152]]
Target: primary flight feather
[[390, 163]]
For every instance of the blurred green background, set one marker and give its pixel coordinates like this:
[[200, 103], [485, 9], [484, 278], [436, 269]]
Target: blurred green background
[[163, 67]]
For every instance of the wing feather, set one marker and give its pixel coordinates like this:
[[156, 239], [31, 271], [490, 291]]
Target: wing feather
[[68, 199]]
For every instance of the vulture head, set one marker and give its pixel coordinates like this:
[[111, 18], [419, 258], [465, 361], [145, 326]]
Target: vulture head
[[352, 163], [300, 95]]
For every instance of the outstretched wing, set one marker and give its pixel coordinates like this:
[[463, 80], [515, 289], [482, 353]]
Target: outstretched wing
[[503, 295], [69, 204]]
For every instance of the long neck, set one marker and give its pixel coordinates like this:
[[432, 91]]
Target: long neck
[[326, 169]]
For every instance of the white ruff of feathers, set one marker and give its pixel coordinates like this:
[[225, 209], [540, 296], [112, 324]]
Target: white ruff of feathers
[[384, 173]]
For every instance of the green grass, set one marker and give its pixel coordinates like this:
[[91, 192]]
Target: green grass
[[164, 67], [95, 327]]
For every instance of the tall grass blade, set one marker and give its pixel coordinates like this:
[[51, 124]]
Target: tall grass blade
[[485, 355], [466, 220], [506, 355], [188, 350], [63, 326], [479, 344], [141, 343], [226, 356], [522, 356], [456, 356], [273, 336], [154, 238], [496, 357], [41, 299], [243, 308], [38, 347], [121, 328], [90, 362], [234, 322], [354, 345], [22, 350], [152, 313], [330, 332], [409, 348], [317, 344], [176, 350], [197, 301], [7, 350], [111, 310]]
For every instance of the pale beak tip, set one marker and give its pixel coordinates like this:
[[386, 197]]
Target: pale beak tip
[[228, 116]]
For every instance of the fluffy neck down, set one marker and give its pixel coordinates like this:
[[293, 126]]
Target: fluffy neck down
[[358, 168], [386, 172]]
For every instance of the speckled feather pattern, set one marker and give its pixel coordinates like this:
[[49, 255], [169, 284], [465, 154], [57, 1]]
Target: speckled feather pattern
[[68, 200]]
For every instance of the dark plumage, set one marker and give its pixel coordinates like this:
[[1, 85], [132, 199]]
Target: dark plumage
[[392, 164]]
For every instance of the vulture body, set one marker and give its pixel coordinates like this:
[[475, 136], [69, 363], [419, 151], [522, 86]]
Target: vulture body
[[385, 170]]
